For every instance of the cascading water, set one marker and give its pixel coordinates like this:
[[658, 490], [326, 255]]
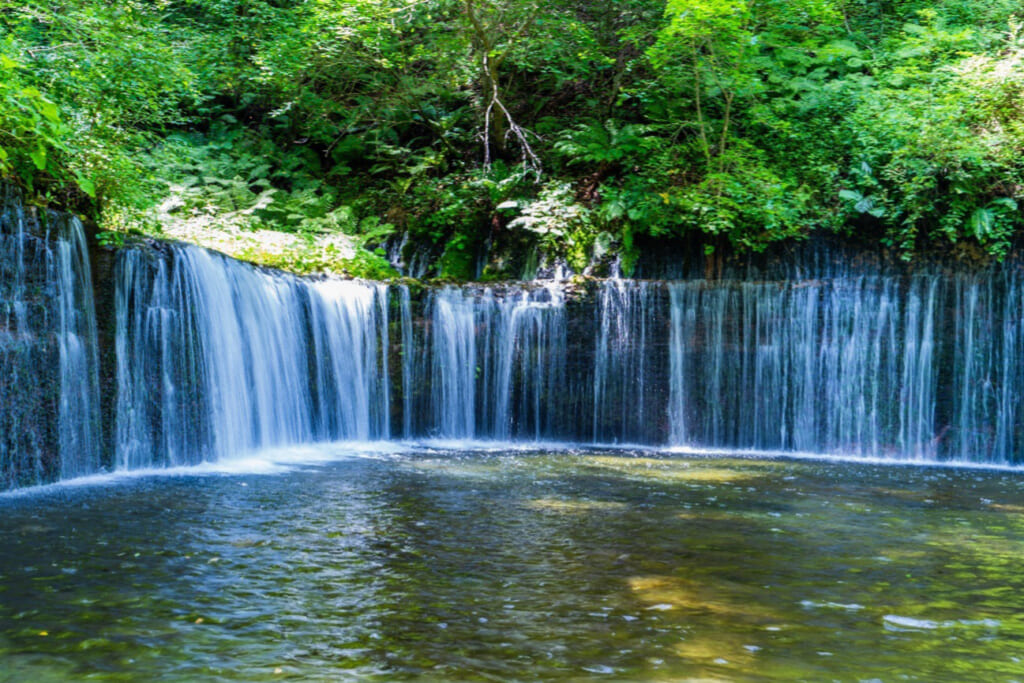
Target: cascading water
[[49, 386], [523, 364], [79, 411], [408, 359], [496, 364], [627, 365], [453, 364], [26, 389], [926, 366], [852, 363], [983, 420], [350, 332], [822, 366], [216, 358]]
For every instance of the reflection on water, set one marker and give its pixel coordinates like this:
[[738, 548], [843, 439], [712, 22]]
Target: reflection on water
[[519, 566]]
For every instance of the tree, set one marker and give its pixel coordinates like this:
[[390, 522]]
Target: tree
[[725, 46]]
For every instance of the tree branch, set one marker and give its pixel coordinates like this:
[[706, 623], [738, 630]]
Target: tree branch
[[530, 160]]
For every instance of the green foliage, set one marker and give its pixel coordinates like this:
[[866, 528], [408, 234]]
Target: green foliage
[[603, 143], [937, 147], [714, 121], [458, 260], [32, 133], [312, 259], [746, 202], [109, 238], [73, 106], [562, 226]]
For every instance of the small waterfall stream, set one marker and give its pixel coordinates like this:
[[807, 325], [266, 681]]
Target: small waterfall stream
[[79, 411], [624, 359], [453, 364], [49, 381], [487, 365]]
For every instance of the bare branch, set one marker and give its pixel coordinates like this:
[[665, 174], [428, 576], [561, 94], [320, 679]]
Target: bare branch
[[530, 160]]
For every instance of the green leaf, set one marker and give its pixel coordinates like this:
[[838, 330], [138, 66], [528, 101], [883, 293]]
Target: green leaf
[[981, 223], [87, 186], [39, 157], [865, 205], [49, 110]]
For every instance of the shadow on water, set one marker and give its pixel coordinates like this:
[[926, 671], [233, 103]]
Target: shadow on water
[[526, 566]]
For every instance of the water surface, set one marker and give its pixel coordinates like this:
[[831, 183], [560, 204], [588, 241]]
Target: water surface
[[473, 566]]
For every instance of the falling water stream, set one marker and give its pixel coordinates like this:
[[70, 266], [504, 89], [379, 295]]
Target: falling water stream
[[215, 358], [49, 384]]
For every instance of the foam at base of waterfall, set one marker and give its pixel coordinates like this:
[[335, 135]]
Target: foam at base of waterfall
[[265, 462]]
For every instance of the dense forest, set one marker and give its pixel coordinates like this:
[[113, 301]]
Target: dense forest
[[582, 128]]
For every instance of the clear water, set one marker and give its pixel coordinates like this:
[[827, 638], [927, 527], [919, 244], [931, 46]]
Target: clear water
[[427, 564]]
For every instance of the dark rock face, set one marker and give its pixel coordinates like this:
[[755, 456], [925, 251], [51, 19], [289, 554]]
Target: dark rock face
[[104, 292]]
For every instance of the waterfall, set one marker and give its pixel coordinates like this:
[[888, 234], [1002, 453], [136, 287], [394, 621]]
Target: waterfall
[[453, 365], [79, 411], [683, 314], [497, 363], [350, 333], [919, 375], [523, 364], [625, 363], [49, 370], [926, 366], [216, 358], [408, 360], [26, 354], [859, 362], [843, 365], [985, 421]]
